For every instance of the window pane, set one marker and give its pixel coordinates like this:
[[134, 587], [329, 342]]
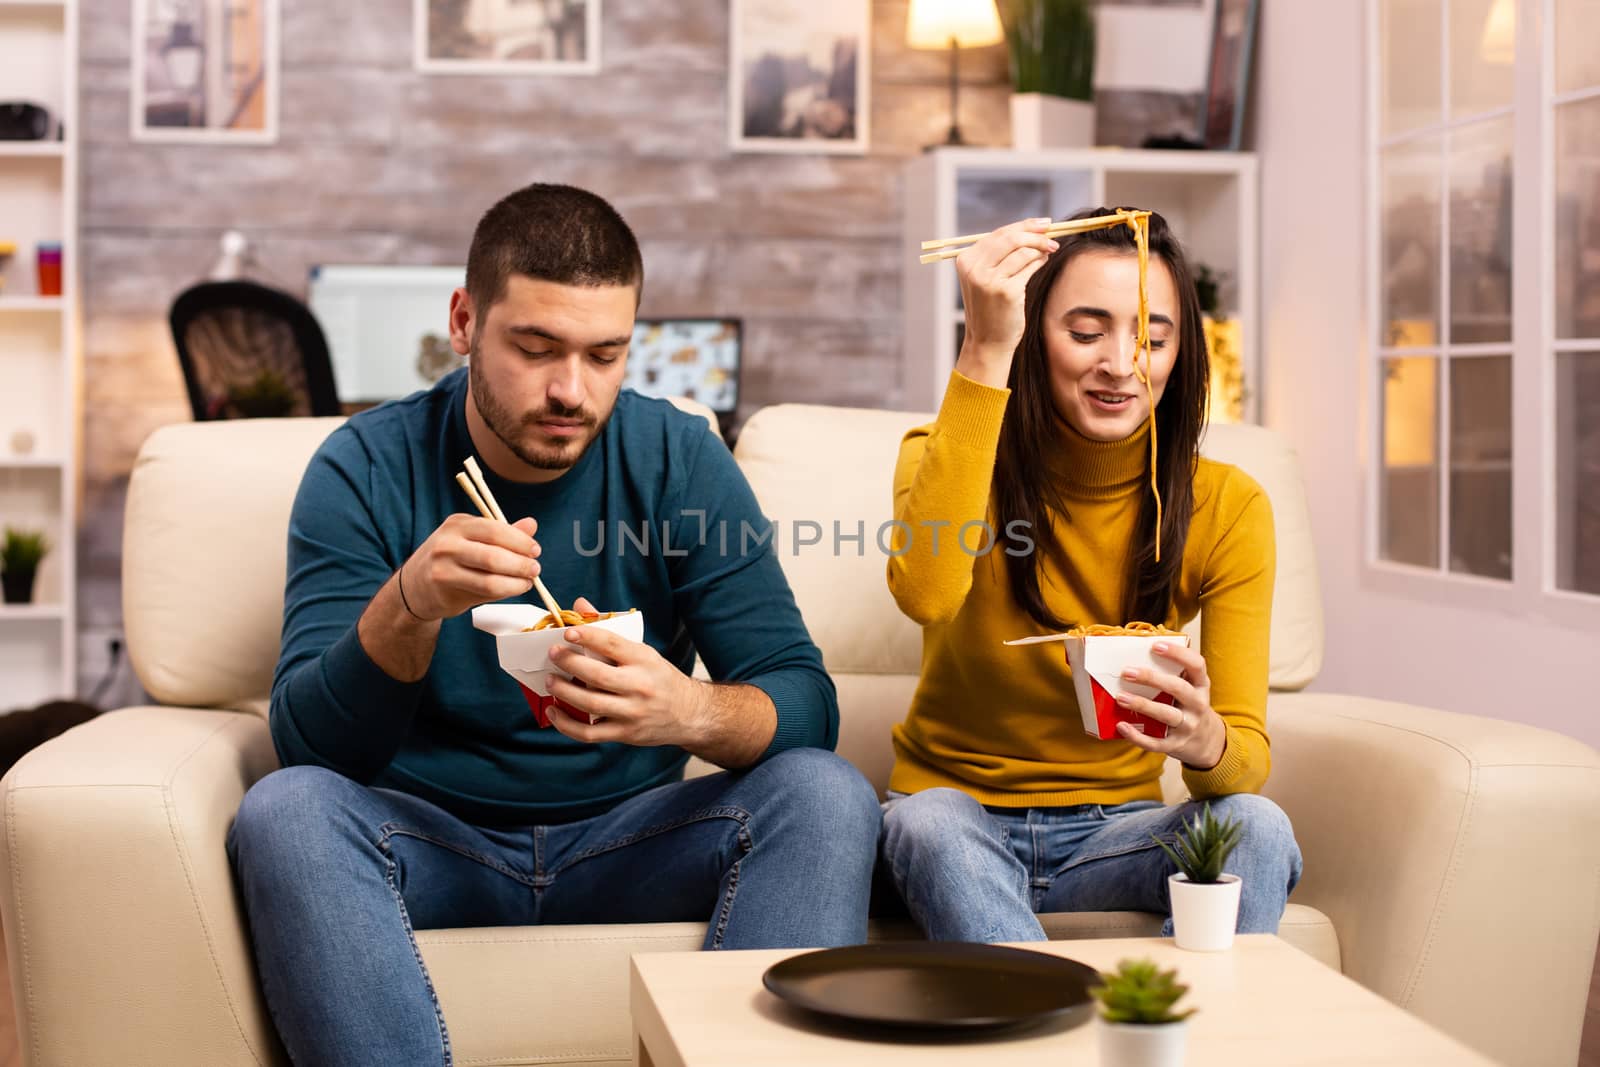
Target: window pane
[[1480, 466], [1410, 31], [1411, 244], [1480, 233], [1578, 472], [1578, 219], [1408, 521], [1483, 43], [1577, 58]]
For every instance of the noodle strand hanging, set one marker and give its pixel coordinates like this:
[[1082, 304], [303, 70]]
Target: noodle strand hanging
[[1140, 224]]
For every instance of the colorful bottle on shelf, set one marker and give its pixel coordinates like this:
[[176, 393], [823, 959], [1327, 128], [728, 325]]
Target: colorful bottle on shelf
[[49, 260]]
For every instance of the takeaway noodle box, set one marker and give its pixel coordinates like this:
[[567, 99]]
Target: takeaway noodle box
[[525, 654], [1097, 664]]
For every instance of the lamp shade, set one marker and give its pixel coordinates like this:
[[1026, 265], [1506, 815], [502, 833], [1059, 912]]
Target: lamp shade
[[1499, 43], [183, 56], [970, 23]]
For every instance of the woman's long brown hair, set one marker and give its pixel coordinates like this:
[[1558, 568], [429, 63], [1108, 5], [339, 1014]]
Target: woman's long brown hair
[[1033, 428]]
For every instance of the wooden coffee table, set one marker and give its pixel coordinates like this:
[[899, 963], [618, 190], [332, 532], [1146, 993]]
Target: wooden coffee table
[[1263, 1002]]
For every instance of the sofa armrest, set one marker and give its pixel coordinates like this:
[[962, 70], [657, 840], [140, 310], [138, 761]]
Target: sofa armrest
[[125, 938], [1458, 857]]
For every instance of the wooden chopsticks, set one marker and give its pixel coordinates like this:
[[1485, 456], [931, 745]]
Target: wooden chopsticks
[[478, 491], [951, 247]]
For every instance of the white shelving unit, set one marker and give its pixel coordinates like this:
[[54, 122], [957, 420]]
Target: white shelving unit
[[40, 342], [29, 149], [1209, 198]]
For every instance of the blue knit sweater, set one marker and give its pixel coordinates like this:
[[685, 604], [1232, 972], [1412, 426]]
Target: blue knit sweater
[[654, 516]]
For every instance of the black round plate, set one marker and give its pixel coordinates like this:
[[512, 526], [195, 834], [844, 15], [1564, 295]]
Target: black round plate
[[923, 985]]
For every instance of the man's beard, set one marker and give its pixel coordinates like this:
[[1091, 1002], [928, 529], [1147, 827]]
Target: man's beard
[[507, 425]]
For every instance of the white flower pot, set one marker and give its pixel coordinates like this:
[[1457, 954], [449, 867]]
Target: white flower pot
[[1204, 916], [1135, 1045], [1039, 120]]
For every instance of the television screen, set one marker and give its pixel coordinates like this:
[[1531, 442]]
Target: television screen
[[693, 358]]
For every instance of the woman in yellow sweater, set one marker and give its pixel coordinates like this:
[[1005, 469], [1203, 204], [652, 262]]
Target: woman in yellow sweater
[[1029, 506]]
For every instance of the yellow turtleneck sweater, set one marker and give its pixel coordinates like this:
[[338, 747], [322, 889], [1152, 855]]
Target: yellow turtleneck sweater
[[1002, 723]]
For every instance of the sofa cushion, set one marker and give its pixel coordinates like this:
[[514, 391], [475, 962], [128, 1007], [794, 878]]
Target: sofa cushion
[[834, 468], [869, 707], [1296, 652], [204, 546]]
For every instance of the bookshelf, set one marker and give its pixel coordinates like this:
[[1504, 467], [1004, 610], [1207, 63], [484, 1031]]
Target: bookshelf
[[1209, 198], [40, 342]]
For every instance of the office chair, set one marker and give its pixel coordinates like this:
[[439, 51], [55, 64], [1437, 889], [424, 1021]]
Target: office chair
[[250, 351]]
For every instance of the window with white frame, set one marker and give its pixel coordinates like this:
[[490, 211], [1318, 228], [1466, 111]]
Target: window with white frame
[[1451, 175], [1444, 267], [1575, 180]]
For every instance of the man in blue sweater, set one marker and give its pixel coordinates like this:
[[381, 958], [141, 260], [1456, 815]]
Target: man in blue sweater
[[418, 791]]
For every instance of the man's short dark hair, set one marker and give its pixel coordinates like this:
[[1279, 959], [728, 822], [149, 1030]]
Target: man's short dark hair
[[556, 233]]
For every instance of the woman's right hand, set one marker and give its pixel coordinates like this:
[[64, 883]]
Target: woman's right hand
[[994, 277]]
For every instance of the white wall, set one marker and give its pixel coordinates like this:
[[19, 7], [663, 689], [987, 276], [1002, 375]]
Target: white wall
[[1164, 48], [1310, 132]]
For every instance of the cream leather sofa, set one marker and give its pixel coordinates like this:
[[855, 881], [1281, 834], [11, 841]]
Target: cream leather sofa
[[1452, 863]]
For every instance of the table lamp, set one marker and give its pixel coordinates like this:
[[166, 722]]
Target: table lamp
[[953, 24]]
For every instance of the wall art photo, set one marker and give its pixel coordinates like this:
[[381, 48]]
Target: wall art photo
[[205, 71], [799, 75]]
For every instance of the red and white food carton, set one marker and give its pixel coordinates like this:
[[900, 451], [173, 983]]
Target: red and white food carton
[[1097, 664], [525, 653]]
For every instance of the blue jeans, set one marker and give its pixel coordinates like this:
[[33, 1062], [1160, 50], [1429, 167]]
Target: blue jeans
[[335, 876], [971, 873]]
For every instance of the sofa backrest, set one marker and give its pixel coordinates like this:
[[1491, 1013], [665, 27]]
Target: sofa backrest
[[204, 545], [826, 474], [833, 468], [204, 552]]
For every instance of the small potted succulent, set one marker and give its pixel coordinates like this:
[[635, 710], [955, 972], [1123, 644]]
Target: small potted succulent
[[1205, 902], [1224, 341], [1138, 1026], [20, 554]]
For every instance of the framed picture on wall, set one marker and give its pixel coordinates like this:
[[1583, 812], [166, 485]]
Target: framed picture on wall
[[1233, 36], [205, 70], [799, 75], [507, 36]]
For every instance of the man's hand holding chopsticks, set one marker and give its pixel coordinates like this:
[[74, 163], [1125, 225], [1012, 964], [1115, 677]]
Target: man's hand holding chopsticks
[[469, 561]]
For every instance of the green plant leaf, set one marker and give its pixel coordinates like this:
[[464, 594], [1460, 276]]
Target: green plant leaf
[[22, 550], [268, 395], [1202, 848], [1052, 46], [1140, 992]]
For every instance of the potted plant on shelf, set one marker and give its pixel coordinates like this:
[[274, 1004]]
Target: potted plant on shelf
[[1052, 72], [20, 554], [1205, 902], [1138, 1026], [1224, 341], [267, 396]]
